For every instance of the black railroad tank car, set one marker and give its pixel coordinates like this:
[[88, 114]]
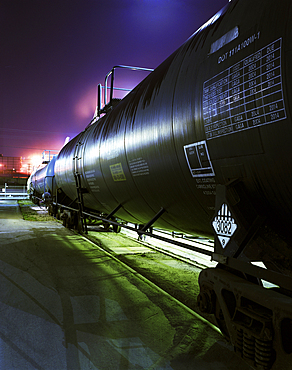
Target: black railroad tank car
[[42, 181], [204, 143], [216, 110]]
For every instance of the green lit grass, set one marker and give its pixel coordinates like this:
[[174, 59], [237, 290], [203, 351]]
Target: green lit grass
[[31, 212]]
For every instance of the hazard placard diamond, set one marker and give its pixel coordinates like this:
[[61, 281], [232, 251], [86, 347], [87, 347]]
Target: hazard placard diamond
[[224, 225]]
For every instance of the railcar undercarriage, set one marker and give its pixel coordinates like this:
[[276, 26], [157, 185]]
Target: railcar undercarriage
[[252, 305]]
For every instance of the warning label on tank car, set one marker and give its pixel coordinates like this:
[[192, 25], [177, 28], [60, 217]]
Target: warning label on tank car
[[117, 172], [248, 94], [198, 159], [224, 225], [139, 167]]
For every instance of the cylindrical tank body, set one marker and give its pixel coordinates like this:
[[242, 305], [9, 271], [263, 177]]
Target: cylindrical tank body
[[216, 110], [43, 180]]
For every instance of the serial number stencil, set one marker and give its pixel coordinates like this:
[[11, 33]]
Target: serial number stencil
[[246, 95]]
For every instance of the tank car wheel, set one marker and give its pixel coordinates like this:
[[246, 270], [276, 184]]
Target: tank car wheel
[[70, 221], [51, 210], [79, 224], [75, 221], [58, 214], [117, 228], [105, 226], [64, 219], [141, 237]]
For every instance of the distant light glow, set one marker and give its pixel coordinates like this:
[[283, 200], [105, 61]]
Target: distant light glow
[[24, 168], [36, 160], [86, 104]]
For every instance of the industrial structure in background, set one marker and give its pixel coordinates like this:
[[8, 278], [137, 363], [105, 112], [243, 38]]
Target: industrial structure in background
[[14, 170]]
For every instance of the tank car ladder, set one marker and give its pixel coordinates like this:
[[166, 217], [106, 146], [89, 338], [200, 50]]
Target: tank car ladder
[[79, 189]]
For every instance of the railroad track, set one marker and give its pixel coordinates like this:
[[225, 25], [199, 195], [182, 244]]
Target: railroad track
[[170, 272], [181, 253], [186, 254], [127, 257]]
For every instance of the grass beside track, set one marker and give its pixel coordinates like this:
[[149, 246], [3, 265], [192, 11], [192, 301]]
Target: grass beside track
[[33, 212]]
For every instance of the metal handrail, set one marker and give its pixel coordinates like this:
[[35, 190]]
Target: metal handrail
[[112, 88], [13, 192]]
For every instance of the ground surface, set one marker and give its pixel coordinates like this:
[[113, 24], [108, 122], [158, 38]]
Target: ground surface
[[65, 304]]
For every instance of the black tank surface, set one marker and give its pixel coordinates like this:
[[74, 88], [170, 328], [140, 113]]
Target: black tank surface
[[216, 110]]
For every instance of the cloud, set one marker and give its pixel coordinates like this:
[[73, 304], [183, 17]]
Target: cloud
[[86, 104]]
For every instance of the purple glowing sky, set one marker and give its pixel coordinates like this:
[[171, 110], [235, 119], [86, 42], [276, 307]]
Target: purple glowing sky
[[55, 52]]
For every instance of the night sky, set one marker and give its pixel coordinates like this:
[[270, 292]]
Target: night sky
[[55, 52]]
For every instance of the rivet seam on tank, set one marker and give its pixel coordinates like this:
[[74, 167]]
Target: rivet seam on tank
[[224, 225]]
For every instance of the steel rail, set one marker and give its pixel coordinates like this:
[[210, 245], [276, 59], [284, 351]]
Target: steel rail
[[142, 232], [159, 237]]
